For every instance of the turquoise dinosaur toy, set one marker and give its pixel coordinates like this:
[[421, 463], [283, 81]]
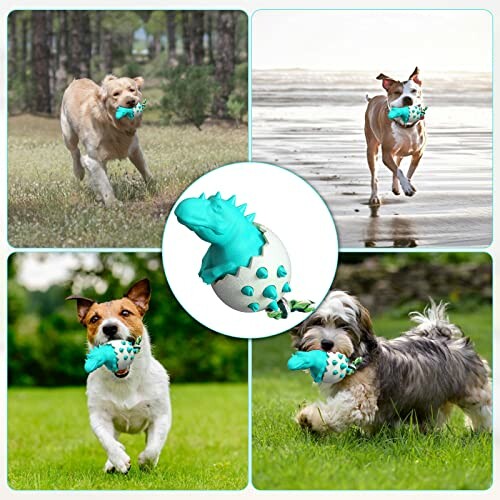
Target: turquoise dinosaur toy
[[130, 113], [325, 367], [115, 355], [246, 264], [233, 236], [408, 114]]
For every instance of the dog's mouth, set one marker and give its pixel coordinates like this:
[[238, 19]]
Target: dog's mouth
[[122, 373]]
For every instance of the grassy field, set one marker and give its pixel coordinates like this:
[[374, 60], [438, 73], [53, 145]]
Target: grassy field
[[48, 207], [51, 445], [285, 457]]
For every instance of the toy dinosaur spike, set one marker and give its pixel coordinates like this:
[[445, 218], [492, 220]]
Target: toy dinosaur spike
[[218, 196], [232, 200], [242, 208], [202, 196], [250, 217]]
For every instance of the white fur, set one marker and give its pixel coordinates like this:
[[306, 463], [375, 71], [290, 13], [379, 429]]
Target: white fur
[[138, 403]]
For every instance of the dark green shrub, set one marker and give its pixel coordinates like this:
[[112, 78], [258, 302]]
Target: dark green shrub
[[188, 94], [237, 104]]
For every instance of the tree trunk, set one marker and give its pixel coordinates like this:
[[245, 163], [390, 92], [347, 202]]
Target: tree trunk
[[96, 34], [12, 45], [186, 37], [76, 49], [107, 54], [85, 44], [172, 41], [40, 61], [224, 62], [197, 37], [62, 49], [24, 48], [210, 23], [52, 54]]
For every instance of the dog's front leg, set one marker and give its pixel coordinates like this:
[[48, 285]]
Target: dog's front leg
[[98, 180], [338, 413], [415, 160], [137, 158], [390, 163], [156, 435], [104, 430]]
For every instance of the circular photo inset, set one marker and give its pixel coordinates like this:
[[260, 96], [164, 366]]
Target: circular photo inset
[[250, 249]]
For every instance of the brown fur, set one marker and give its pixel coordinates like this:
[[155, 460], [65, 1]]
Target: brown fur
[[130, 310]]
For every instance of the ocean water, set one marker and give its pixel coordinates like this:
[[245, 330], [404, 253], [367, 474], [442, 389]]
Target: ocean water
[[312, 122]]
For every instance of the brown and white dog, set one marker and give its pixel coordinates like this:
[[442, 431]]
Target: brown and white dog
[[396, 138], [88, 116], [132, 401]]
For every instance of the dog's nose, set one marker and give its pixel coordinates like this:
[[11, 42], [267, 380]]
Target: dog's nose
[[131, 102], [407, 101], [109, 330], [326, 344]]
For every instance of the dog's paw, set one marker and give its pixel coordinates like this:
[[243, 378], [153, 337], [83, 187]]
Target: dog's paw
[[148, 460], [310, 418], [395, 190], [118, 461], [374, 201]]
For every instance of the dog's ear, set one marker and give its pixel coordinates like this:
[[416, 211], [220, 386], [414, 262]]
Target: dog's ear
[[140, 82], [82, 306], [139, 294], [386, 81], [414, 76], [109, 78], [103, 91]]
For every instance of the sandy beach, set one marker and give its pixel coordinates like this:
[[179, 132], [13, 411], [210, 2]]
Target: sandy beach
[[312, 123]]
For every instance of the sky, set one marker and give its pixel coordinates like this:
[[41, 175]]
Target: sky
[[380, 40]]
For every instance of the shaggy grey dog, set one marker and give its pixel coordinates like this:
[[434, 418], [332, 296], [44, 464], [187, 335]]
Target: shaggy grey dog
[[419, 375]]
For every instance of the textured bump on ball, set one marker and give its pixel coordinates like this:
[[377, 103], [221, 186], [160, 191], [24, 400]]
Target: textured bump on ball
[[253, 306], [262, 273], [273, 305], [281, 272], [286, 288], [270, 292], [247, 290]]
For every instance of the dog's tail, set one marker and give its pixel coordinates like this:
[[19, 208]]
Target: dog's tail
[[434, 322], [368, 98]]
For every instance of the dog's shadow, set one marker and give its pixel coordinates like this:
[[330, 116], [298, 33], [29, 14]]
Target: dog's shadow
[[401, 230]]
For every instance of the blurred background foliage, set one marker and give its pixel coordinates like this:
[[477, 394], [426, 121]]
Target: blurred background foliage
[[47, 344], [194, 62], [396, 283]]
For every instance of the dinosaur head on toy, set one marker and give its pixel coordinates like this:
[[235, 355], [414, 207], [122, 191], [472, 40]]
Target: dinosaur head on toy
[[213, 219]]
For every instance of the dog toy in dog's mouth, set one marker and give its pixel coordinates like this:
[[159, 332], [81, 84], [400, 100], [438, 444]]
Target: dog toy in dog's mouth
[[326, 367], [130, 113], [246, 264], [115, 355], [408, 114]]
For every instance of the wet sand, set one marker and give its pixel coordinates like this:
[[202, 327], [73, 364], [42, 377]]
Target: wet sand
[[312, 123]]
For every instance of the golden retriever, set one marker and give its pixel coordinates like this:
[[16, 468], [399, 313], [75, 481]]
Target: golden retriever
[[88, 116]]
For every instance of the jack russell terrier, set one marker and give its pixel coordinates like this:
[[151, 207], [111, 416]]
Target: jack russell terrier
[[396, 138], [133, 400]]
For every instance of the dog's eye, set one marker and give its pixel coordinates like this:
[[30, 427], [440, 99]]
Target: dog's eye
[[125, 313], [94, 318], [397, 92], [116, 94], [131, 89], [413, 91]]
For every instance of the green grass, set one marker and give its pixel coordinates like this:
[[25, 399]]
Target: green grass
[[51, 445], [285, 457], [48, 207]]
